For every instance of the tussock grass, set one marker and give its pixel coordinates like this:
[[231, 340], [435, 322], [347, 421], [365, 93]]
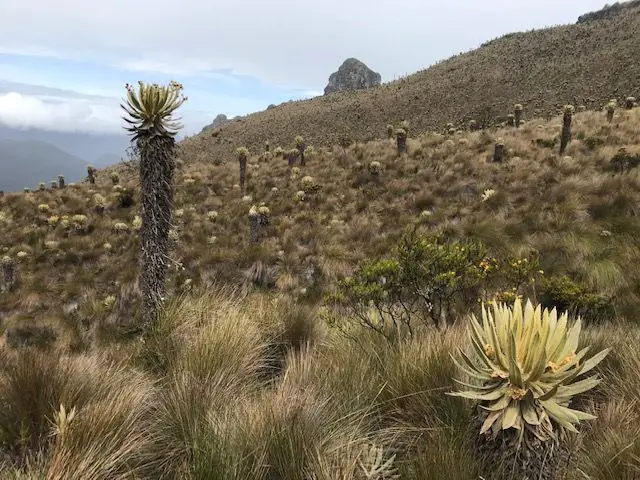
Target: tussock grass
[[611, 444], [210, 404], [108, 436]]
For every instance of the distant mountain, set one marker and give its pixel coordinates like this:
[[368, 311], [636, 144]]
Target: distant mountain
[[88, 146], [25, 163], [28, 156], [352, 75]]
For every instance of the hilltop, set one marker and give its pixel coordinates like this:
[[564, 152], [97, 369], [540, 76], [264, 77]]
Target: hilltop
[[583, 64], [608, 11]]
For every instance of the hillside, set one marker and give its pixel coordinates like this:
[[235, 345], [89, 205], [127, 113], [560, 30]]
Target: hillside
[[25, 163], [559, 206], [319, 324], [583, 64]]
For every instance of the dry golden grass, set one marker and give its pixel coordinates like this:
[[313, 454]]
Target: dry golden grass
[[208, 404]]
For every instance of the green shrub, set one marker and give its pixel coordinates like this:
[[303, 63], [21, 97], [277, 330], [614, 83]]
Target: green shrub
[[623, 161], [441, 275], [375, 298], [567, 296], [547, 142], [424, 277], [125, 198], [594, 142], [512, 277]]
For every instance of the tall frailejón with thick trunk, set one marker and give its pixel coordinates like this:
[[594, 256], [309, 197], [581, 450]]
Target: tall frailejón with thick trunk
[[566, 128], [153, 129]]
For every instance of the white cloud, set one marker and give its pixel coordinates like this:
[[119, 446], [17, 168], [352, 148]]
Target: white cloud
[[32, 51], [76, 113], [55, 113]]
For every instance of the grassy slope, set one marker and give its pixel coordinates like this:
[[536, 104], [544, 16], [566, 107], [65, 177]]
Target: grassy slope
[[584, 64], [561, 206]]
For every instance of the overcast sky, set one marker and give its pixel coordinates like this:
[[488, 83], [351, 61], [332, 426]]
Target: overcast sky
[[64, 63]]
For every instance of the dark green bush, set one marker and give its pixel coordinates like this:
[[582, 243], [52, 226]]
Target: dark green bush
[[547, 142], [566, 295], [594, 142], [374, 297], [441, 275], [125, 198], [623, 161], [508, 278]]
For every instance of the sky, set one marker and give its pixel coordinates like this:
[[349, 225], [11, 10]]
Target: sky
[[64, 63]]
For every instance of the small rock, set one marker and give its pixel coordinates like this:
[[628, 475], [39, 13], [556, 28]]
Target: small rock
[[69, 308]]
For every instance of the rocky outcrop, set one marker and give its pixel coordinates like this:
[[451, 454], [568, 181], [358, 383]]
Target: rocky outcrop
[[608, 11], [352, 75], [219, 120]]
